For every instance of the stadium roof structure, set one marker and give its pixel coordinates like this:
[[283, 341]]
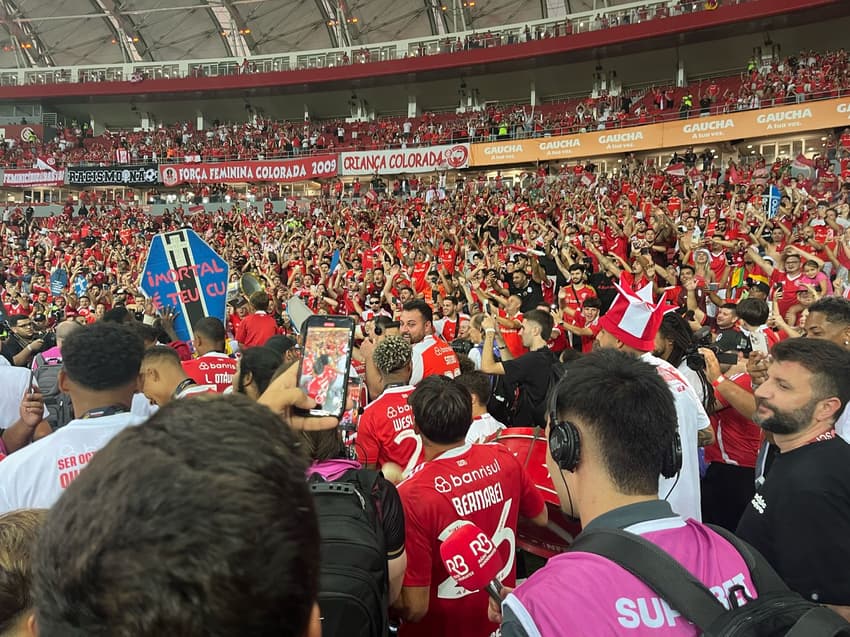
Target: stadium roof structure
[[38, 33]]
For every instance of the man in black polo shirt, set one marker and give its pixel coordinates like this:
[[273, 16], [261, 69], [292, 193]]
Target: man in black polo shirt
[[530, 372], [800, 518], [529, 291]]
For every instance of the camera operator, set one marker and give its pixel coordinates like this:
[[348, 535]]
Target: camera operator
[[47, 335], [21, 345], [729, 481], [41, 331]]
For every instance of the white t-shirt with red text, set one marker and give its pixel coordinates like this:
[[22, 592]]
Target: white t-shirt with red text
[[482, 428], [682, 491], [35, 476]]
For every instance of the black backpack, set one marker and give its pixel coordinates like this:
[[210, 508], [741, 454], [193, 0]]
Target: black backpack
[[354, 578], [777, 612], [555, 370], [503, 401]]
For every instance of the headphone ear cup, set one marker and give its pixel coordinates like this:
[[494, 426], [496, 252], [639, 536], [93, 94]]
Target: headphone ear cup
[[673, 459], [565, 445], [377, 330]]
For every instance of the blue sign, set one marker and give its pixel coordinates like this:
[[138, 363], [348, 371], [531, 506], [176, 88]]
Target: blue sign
[[770, 201], [58, 281], [81, 284], [184, 273]]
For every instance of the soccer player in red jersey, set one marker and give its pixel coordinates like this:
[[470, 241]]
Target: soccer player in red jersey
[[482, 484], [212, 366], [255, 329], [386, 432]]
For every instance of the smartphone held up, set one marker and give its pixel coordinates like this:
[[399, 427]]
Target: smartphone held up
[[324, 367]]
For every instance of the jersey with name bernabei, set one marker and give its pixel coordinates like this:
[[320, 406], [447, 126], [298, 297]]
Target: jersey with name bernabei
[[482, 484], [385, 432]]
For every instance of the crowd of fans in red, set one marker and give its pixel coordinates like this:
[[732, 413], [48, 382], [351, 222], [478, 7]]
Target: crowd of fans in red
[[642, 222], [796, 78], [544, 244]]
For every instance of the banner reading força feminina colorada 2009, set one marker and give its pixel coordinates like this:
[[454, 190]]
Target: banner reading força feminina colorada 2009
[[275, 170], [405, 160]]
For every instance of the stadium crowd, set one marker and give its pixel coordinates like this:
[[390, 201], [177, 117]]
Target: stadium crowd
[[793, 79], [679, 344]]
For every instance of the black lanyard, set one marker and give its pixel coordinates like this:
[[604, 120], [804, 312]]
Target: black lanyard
[[102, 412], [188, 382]]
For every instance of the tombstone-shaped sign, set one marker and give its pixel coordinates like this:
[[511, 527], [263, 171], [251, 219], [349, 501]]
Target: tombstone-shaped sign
[[183, 272]]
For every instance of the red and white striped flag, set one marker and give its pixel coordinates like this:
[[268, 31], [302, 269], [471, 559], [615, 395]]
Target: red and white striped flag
[[122, 156], [196, 209], [588, 179], [676, 170], [801, 162]]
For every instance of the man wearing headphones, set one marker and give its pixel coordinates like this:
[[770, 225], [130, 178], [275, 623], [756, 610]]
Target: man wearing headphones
[[612, 431]]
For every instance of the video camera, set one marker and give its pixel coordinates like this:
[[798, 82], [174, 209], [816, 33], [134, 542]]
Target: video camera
[[703, 338], [48, 337]]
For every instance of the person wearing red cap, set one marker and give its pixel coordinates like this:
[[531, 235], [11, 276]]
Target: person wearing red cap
[[630, 326]]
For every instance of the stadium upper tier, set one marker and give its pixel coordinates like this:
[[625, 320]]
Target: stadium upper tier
[[481, 18], [802, 77]]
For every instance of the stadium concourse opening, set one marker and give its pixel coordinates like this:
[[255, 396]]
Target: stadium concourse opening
[[373, 318]]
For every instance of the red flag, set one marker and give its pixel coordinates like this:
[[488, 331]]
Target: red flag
[[734, 176], [760, 176], [43, 162], [677, 170], [801, 162]]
